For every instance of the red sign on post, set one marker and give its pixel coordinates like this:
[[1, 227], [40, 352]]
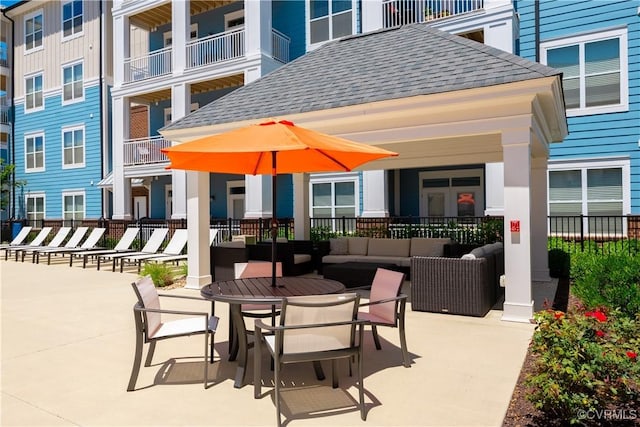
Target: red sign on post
[[514, 226]]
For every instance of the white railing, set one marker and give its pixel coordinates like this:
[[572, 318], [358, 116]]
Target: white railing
[[401, 12], [215, 48], [280, 46], [156, 63], [5, 111], [143, 151]]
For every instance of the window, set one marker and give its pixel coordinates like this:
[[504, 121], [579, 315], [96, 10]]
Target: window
[[334, 197], [73, 205], [330, 19], [35, 208], [594, 190], [34, 153], [72, 89], [168, 38], [594, 71], [33, 31], [234, 20], [73, 147], [33, 93], [71, 18]]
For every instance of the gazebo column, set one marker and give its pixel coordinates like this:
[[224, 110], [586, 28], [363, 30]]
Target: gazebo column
[[375, 194], [301, 206], [257, 201], [539, 232], [518, 302], [199, 270]]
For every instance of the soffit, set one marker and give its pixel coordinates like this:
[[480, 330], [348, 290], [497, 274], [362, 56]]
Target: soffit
[[198, 87], [161, 15]]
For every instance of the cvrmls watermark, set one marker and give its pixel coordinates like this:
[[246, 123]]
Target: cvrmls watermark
[[608, 414]]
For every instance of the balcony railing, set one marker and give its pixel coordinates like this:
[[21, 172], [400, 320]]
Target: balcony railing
[[144, 151], [215, 48], [157, 63], [401, 12], [5, 112], [280, 46]]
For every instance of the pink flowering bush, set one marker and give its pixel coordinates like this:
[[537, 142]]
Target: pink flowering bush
[[586, 360]]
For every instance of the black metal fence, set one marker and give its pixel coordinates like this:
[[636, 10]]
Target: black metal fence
[[604, 234]]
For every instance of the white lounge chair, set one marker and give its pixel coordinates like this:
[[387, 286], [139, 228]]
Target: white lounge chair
[[57, 240], [90, 243], [73, 242], [170, 258], [175, 247], [37, 241], [123, 246], [19, 239], [151, 247]]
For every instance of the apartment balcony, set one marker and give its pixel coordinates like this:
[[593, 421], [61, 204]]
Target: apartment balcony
[[5, 111], [202, 52], [145, 151], [401, 12]]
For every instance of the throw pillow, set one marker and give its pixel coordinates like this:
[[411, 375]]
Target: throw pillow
[[338, 246]]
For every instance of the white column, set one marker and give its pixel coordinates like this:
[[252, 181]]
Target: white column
[[375, 199], [516, 147], [540, 257], [121, 185], [180, 32], [180, 105], [494, 183], [371, 15], [121, 49], [257, 200], [257, 24], [301, 206], [198, 255]]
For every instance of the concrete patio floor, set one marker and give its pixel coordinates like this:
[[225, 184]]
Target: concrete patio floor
[[67, 349]]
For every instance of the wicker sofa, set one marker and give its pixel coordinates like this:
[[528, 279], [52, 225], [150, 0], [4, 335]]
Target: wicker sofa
[[224, 256], [296, 256], [468, 285]]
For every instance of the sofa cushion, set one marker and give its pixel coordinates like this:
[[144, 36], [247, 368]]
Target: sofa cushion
[[402, 261], [422, 246], [338, 246], [358, 245], [301, 258], [389, 247], [235, 244], [336, 259]]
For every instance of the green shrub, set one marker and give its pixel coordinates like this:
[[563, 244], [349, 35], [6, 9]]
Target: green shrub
[[183, 270], [559, 263], [161, 274], [586, 361], [611, 281]]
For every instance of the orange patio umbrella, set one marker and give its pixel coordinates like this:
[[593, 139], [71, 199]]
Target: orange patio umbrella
[[273, 147]]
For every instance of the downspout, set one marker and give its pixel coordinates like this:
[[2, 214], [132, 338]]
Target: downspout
[[103, 132], [536, 20], [12, 115]]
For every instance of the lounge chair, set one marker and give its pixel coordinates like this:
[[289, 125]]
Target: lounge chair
[[19, 239], [175, 247], [162, 258], [123, 246], [312, 328], [90, 243], [37, 241], [150, 328], [73, 242], [151, 247], [57, 240]]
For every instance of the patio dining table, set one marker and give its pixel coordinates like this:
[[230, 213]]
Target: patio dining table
[[260, 291]]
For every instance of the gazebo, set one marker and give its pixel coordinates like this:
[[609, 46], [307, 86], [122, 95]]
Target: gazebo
[[436, 99]]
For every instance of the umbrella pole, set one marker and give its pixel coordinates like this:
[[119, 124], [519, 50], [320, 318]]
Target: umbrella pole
[[274, 221]]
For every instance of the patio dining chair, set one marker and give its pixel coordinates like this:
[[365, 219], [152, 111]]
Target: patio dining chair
[[151, 328], [312, 328], [386, 307], [123, 245], [91, 242]]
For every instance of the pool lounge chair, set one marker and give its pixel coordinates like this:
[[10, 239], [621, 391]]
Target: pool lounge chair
[[162, 258], [123, 246], [175, 247], [90, 243], [57, 240], [37, 241], [73, 242], [151, 247], [19, 239], [7, 248]]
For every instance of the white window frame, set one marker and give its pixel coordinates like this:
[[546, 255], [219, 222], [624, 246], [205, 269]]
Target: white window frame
[[44, 149], [167, 36], [167, 112], [28, 77], [232, 197], [449, 174], [581, 40], [330, 15], [35, 195], [231, 17], [590, 164], [76, 164], [28, 17], [332, 178], [74, 193], [73, 98], [72, 35]]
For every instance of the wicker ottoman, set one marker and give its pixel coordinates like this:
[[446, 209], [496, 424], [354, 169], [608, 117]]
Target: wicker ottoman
[[354, 274]]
